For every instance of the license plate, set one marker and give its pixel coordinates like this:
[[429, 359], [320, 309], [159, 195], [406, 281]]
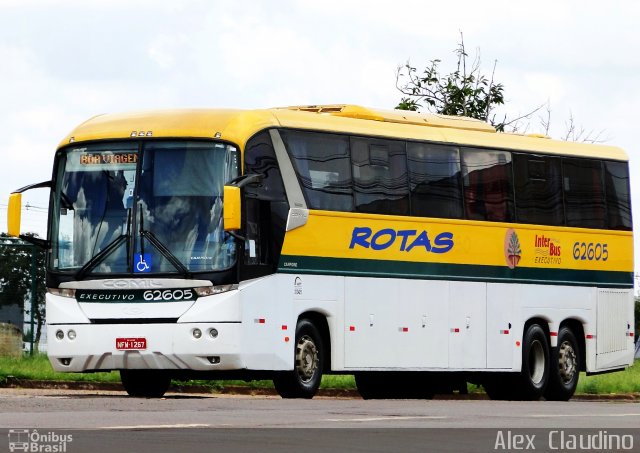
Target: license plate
[[129, 344]]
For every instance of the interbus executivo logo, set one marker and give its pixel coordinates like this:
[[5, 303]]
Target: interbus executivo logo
[[512, 250], [34, 441], [548, 250]]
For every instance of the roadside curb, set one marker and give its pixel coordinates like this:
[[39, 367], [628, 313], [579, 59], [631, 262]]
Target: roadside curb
[[13, 382]]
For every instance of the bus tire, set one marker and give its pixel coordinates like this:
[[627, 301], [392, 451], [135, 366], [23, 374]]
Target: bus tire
[[532, 380], [145, 383], [394, 385], [371, 385], [565, 367], [499, 386], [308, 362]]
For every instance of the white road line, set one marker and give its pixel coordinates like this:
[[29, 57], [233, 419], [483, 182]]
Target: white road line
[[183, 425], [377, 419], [580, 415]]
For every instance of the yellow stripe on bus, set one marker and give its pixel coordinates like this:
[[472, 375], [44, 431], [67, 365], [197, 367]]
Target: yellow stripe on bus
[[413, 239]]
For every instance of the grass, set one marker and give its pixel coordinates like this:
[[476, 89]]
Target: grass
[[627, 381], [37, 367], [345, 382]]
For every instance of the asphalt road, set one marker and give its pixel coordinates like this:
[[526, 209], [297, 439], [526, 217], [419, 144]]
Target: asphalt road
[[111, 421]]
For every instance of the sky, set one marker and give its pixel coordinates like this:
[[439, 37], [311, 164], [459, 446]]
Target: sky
[[66, 61]]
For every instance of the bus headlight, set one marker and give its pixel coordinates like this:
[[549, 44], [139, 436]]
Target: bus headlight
[[62, 292]]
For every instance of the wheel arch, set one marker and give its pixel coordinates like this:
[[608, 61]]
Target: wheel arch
[[542, 322], [320, 321]]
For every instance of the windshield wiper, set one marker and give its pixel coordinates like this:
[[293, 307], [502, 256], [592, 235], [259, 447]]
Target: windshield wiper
[[164, 251], [105, 252]]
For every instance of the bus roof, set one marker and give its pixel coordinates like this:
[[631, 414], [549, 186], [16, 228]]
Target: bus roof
[[238, 126]]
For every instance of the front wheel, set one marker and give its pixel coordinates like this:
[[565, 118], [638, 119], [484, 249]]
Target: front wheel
[[565, 367], [308, 361], [145, 383]]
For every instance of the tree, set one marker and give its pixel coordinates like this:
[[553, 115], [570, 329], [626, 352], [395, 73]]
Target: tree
[[16, 279], [464, 92]]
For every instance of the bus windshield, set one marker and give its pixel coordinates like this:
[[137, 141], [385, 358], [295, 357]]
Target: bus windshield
[[142, 207]]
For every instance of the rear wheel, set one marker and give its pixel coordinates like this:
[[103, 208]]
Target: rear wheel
[[304, 380], [565, 367], [531, 382], [145, 383]]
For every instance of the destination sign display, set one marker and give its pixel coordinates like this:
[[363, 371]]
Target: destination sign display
[[108, 158]]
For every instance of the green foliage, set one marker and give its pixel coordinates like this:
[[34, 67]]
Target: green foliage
[[627, 381], [37, 367], [16, 279], [464, 92], [15, 270]]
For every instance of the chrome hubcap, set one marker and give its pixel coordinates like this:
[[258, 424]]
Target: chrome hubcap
[[567, 362], [306, 358]]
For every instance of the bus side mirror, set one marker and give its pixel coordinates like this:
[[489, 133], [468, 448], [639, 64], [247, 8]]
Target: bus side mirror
[[14, 212], [231, 208]]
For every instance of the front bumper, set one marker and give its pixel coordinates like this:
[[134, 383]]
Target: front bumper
[[168, 347]]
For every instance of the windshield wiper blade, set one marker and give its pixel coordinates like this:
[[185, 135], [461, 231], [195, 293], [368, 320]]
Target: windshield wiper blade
[[100, 256], [105, 252], [164, 251]]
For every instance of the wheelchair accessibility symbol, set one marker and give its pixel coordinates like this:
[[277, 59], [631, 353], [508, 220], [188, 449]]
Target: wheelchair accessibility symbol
[[143, 262]]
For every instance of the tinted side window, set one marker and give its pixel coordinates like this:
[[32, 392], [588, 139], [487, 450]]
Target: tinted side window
[[488, 189], [616, 181], [584, 193], [380, 176], [538, 188], [434, 174], [323, 165]]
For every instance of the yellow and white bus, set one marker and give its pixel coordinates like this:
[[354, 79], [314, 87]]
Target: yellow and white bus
[[414, 251]]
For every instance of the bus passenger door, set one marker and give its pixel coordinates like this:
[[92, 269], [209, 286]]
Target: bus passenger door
[[265, 210]]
